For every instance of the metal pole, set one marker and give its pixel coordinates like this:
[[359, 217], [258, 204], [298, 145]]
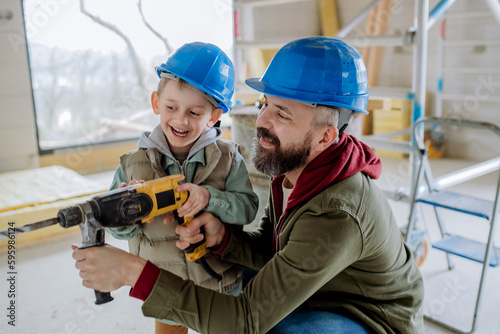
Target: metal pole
[[379, 40], [418, 83], [495, 8], [463, 175], [438, 11], [466, 174], [439, 70], [487, 256], [351, 25], [387, 144], [421, 60]]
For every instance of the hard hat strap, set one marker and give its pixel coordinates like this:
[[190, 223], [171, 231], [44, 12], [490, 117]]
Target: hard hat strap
[[309, 104]]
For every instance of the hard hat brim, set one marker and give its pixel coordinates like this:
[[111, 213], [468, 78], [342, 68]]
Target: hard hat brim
[[260, 86]]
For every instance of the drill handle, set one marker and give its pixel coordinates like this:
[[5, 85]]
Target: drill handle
[[102, 297], [197, 250], [93, 235]]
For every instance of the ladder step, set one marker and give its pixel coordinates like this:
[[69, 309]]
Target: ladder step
[[461, 203], [466, 248]]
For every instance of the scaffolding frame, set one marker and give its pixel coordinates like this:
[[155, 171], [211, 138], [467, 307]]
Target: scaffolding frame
[[414, 35], [431, 193], [418, 36]]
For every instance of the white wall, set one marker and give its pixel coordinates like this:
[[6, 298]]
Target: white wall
[[473, 90], [18, 145]]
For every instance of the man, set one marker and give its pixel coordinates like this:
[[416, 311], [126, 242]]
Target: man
[[330, 256]]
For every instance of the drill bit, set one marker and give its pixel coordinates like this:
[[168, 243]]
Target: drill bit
[[29, 227]]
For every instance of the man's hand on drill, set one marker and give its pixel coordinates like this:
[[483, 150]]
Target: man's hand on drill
[[214, 230], [107, 268]]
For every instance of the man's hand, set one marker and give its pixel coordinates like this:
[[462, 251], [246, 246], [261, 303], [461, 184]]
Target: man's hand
[[214, 231], [197, 201], [106, 268]]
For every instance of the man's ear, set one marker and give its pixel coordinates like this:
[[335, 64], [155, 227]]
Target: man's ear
[[216, 114], [327, 137], [155, 102]]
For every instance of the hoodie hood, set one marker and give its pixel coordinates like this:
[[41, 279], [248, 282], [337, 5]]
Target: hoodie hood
[[157, 139]]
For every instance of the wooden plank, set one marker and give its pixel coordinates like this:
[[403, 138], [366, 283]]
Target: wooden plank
[[382, 18], [329, 17], [377, 25], [29, 196], [389, 120], [27, 188], [379, 104], [369, 31], [367, 120]]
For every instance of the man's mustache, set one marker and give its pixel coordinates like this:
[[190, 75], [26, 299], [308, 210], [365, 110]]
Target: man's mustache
[[267, 136]]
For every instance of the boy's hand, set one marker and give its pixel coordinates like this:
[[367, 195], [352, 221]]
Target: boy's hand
[[124, 184], [197, 201]]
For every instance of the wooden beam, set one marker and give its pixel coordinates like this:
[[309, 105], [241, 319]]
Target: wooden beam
[[378, 23], [381, 24], [329, 17], [379, 104]]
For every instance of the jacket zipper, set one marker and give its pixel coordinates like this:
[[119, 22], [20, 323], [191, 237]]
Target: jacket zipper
[[278, 225]]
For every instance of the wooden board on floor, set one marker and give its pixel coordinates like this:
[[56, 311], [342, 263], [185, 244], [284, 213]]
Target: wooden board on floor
[[32, 195]]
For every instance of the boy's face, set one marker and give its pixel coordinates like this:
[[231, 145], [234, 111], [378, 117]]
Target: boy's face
[[184, 114]]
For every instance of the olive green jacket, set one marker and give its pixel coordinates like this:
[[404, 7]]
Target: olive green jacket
[[341, 251]]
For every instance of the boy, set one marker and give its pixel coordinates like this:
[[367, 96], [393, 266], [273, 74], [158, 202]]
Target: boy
[[195, 88]]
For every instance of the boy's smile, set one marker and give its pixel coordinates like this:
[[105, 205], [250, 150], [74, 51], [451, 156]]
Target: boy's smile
[[179, 132], [184, 114]]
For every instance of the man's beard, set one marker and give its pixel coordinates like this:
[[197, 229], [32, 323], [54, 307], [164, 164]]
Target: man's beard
[[279, 161]]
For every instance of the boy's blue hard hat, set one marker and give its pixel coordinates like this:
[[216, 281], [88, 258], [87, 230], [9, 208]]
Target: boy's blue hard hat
[[206, 67], [317, 70]]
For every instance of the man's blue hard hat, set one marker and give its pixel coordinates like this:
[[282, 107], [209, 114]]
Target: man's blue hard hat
[[317, 70], [206, 67]]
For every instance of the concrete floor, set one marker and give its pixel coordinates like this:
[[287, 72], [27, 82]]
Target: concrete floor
[[51, 300]]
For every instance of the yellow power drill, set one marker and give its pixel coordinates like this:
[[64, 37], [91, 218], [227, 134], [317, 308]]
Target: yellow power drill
[[133, 204]]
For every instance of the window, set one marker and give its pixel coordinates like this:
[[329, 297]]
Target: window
[[92, 62]]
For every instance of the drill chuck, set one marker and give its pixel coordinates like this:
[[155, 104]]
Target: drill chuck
[[70, 216]]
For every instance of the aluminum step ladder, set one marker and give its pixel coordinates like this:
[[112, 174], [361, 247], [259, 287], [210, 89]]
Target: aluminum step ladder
[[429, 191]]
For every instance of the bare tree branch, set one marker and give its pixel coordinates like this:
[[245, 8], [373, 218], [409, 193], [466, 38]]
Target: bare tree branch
[[153, 30], [128, 43]]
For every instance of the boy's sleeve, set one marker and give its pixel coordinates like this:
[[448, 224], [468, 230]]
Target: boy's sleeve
[[122, 233], [237, 204]]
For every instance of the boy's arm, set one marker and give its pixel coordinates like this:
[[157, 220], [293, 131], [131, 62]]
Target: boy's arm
[[237, 204], [122, 233]]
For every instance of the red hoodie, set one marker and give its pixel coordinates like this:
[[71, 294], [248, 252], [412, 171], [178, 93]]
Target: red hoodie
[[333, 165]]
